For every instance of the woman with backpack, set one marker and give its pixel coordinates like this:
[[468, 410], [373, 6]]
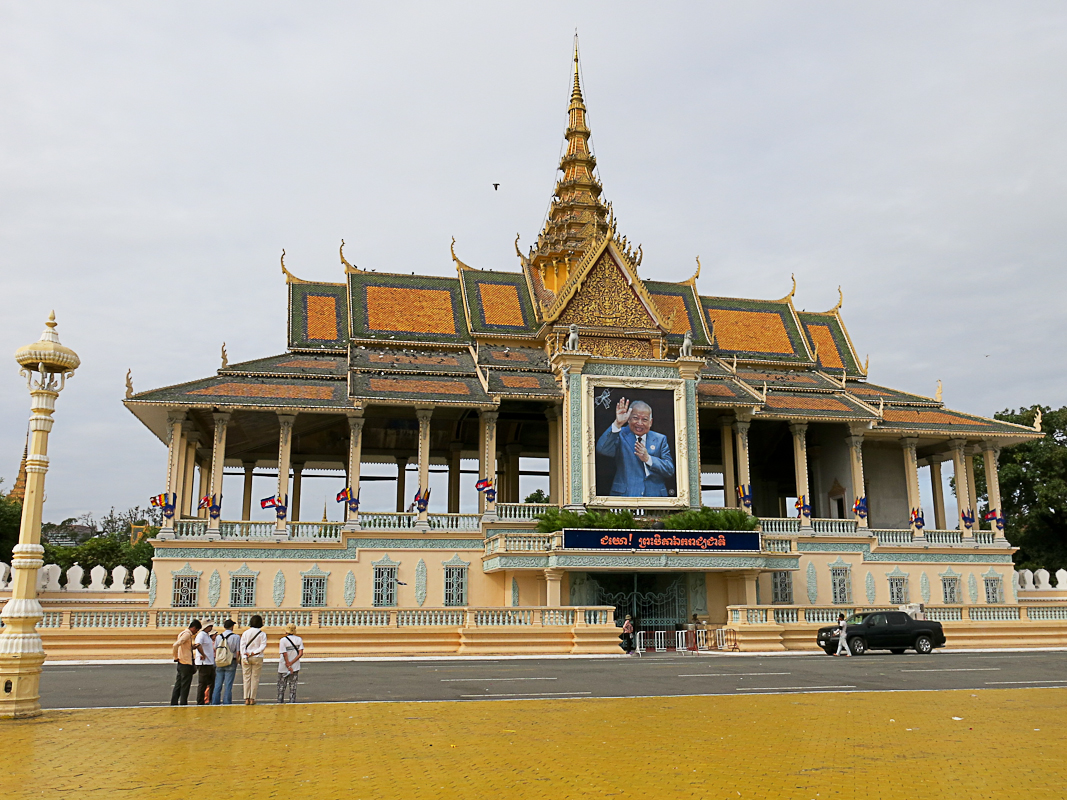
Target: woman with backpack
[[253, 643], [227, 654]]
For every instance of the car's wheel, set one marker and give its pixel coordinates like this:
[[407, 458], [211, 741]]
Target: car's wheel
[[924, 645], [897, 651], [857, 645]]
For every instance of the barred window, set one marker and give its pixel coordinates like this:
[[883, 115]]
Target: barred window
[[994, 590], [455, 586], [243, 591], [898, 591], [782, 587], [313, 591], [185, 587], [384, 586], [950, 589], [841, 585]]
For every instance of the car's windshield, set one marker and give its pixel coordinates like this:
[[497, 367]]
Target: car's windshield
[[855, 619]]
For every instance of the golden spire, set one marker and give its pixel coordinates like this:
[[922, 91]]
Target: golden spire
[[577, 216]]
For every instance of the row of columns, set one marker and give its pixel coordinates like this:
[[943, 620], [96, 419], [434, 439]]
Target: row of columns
[[962, 455]]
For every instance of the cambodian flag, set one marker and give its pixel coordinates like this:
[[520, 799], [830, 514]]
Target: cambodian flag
[[990, 515], [205, 502], [344, 494], [483, 484], [269, 502]]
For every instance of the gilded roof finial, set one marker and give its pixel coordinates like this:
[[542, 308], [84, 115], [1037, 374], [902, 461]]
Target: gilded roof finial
[[866, 363], [460, 266], [576, 92], [129, 384], [289, 277], [348, 267], [840, 301], [697, 273], [225, 357], [937, 394], [792, 291]]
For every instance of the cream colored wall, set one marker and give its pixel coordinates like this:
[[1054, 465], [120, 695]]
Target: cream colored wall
[[716, 586], [887, 490], [482, 589]]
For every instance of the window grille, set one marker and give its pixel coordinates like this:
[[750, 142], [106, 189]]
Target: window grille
[[384, 586], [313, 592], [994, 591], [841, 585], [243, 591], [950, 588], [185, 591], [455, 586], [898, 591], [782, 587]]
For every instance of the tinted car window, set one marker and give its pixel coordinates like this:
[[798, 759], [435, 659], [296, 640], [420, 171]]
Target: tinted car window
[[898, 618], [875, 620]]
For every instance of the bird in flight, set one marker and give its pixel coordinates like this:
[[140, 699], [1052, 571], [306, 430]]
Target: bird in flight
[[496, 187]]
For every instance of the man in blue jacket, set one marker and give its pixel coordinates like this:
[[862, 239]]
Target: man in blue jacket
[[643, 460]]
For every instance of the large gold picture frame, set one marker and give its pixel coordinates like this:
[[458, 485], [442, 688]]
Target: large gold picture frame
[[679, 443]]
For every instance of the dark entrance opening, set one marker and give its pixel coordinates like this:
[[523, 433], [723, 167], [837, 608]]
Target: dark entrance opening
[[657, 601]]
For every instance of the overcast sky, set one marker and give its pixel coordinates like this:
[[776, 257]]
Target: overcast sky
[[156, 157]]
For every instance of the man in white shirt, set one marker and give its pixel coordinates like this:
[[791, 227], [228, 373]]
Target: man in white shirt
[[253, 643], [205, 664], [290, 650]]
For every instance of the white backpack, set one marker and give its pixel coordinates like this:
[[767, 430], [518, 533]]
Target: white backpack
[[223, 653]]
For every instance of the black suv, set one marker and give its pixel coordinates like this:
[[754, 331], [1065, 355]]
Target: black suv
[[884, 630]]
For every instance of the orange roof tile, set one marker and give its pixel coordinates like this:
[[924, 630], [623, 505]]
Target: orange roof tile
[[321, 317], [919, 417], [823, 339], [410, 310], [750, 331], [500, 304], [520, 382], [286, 391], [426, 387], [808, 403], [672, 308]]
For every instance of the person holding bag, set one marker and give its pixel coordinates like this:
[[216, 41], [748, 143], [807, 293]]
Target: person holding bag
[[290, 650], [253, 643], [227, 655]]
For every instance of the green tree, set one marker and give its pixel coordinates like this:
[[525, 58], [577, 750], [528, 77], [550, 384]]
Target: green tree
[[10, 522], [537, 497], [1033, 490]]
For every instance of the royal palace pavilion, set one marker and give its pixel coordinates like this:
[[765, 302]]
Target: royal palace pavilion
[[630, 389]]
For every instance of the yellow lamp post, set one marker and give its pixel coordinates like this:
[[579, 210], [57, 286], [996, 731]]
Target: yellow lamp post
[[46, 365]]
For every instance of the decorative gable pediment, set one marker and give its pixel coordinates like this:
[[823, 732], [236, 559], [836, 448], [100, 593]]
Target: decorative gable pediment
[[607, 297]]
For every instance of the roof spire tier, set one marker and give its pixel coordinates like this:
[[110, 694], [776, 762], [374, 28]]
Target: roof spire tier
[[577, 217]]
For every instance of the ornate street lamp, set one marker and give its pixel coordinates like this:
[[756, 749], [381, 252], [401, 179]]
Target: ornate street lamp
[[46, 365]]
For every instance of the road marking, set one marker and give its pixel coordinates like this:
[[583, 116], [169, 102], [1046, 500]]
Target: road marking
[[787, 688], [526, 694], [959, 669], [1005, 683], [480, 680], [730, 674], [150, 703]]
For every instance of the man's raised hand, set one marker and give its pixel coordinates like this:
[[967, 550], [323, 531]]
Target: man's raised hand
[[622, 412]]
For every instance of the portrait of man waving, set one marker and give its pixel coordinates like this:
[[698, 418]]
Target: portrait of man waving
[[643, 461]]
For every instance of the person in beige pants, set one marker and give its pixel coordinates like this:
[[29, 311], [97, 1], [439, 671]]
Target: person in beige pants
[[253, 643]]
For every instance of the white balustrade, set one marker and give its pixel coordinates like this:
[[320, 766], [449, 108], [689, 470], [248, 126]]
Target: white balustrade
[[190, 528], [74, 578], [893, 536], [557, 616], [1061, 579], [756, 616], [841, 526], [984, 537], [140, 579], [389, 520], [994, 613], [431, 617], [779, 525], [771, 545], [51, 619], [455, 522], [1046, 613], [524, 511], [597, 616], [1041, 581], [824, 616], [354, 618], [48, 578], [527, 542], [109, 619], [97, 576], [119, 575], [277, 619], [944, 614], [943, 537], [503, 617], [785, 616], [247, 530], [318, 531]]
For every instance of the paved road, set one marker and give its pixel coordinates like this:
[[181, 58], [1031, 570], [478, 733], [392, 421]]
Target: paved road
[[101, 685]]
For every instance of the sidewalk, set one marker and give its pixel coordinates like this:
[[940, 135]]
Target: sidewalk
[[916, 745]]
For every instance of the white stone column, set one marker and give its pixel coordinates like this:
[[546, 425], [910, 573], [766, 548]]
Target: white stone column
[[938, 490], [991, 454], [972, 493], [859, 483], [911, 476], [285, 449], [218, 458], [174, 462], [800, 467], [424, 415], [959, 466], [192, 439], [355, 461], [487, 458], [744, 479], [729, 475]]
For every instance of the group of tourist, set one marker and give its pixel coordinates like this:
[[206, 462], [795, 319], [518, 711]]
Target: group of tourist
[[213, 657]]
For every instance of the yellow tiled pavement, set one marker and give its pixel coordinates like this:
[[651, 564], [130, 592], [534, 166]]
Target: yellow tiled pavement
[[783, 746]]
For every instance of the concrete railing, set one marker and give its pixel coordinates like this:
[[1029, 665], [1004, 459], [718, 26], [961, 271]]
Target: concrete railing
[[827, 615], [455, 522], [50, 575], [523, 511]]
